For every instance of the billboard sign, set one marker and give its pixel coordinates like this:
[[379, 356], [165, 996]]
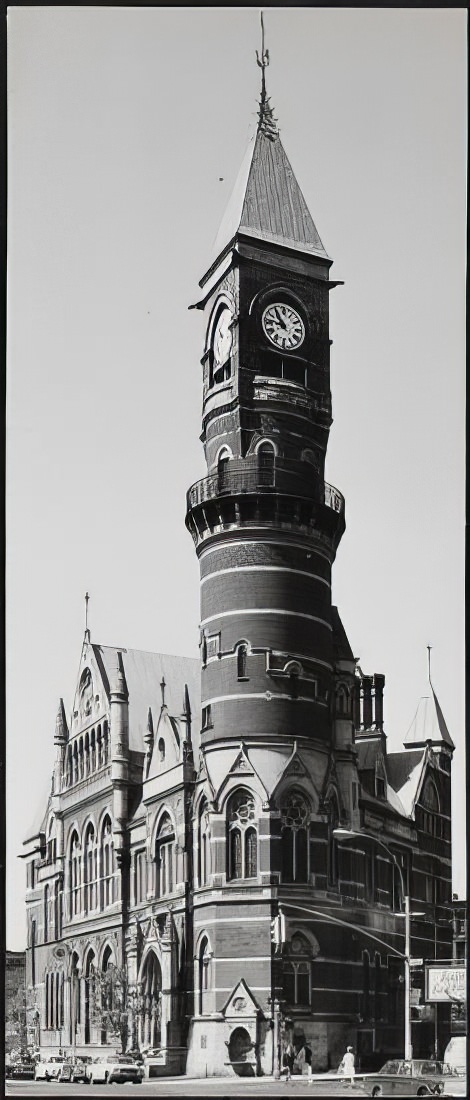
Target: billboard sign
[[446, 983]]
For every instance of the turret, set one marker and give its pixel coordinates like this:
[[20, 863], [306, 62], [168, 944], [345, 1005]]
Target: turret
[[61, 736]]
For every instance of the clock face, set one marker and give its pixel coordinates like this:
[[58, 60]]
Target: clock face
[[283, 326], [222, 341]]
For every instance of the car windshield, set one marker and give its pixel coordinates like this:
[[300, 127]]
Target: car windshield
[[391, 1067]]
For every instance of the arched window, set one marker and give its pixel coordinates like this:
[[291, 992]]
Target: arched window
[[89, 982], [107, 864], [265, 454], [75, 763], [242, 651], [75, 875], [69, 767], [223, 471], [90, 869], [54, 989], [99, 748], [93, 751], [105, 743], [57, 910], [242, 836], [75, 999], [47, 928], [161, 749], [51, 848], [203, 846], [295, 815], [297, 972], [87, 754], [150, 1020], [164, 856], [106, 992], [80, 758], [430, 797], [204, 968]]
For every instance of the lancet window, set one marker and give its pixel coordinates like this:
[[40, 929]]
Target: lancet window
[[295, 816], [75, 875], [203, 846], [164, 857], [90, 869], [107, 864], [242, 836], [204, 974]]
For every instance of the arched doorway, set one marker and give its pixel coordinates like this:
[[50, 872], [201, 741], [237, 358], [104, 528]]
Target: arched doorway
[[151, 1019], [239, 1050]]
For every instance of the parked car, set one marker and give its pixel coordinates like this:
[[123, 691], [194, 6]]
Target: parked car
[[49, 1069], [20, 1070], [75, 1071], [116, 1067], [455, 1053], [409, 1078]]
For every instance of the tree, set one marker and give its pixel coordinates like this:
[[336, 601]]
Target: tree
[[16, 1035], [109, 1004]]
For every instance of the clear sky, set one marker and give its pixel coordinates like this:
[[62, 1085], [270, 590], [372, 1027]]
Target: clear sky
[[127, 127]]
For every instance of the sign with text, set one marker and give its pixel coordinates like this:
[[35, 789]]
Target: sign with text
[[446, 983]]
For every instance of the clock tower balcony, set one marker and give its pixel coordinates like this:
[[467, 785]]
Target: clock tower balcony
[[242, 493]]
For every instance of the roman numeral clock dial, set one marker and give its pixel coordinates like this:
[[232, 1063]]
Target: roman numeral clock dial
[[283, 326]]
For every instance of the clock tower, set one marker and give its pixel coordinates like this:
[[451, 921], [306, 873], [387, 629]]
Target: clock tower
[[277, 762]]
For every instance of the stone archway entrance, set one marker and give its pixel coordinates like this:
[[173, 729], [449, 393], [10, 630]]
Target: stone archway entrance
[[239, 1049], [151, 1017]]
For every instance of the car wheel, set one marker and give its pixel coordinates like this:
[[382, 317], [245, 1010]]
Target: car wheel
[[377, 1090], [423, 1091]]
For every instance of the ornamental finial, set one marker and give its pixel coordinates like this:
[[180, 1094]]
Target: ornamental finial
[[266, 120]]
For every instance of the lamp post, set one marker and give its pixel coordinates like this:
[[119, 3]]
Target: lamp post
[[276, 1037], [351, 834]]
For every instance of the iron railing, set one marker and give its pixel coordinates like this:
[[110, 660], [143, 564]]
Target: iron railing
[[235, 477]]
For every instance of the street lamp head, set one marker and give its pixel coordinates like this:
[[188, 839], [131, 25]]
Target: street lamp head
[[343, 834]]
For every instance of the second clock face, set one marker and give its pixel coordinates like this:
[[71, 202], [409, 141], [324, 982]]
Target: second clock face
[[222, 342], [283, 326]]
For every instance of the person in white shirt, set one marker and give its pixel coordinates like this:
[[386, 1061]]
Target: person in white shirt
[[346, 1066]]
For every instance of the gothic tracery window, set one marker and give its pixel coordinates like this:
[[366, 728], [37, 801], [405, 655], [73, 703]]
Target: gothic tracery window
[[75, 875], [295, 815], [164, 856], [107, 864], [90, 869], [242, 836]]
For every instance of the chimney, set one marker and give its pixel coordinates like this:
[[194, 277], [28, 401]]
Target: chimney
[[367, 701], [379, 681]]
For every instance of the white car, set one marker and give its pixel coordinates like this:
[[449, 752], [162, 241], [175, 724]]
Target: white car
[[115, 1067], [49, 1069]]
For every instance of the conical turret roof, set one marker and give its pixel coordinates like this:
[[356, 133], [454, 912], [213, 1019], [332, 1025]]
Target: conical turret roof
[[267, 203], [428, 724], [61, 729]]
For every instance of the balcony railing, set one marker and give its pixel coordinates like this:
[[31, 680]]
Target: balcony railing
[[239, 476]]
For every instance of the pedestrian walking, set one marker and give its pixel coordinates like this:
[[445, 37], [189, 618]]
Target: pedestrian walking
[[346, 1066], [288, 1060]]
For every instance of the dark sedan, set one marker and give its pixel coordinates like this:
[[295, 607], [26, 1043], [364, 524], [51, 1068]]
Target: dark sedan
[[409, 1078]]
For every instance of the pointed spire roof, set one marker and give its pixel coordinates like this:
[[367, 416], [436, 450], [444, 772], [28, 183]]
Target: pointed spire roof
[[61, 734], [428, 724], [267, 203]]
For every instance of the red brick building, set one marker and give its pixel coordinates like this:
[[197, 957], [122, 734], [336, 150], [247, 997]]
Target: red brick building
[[190, 838]]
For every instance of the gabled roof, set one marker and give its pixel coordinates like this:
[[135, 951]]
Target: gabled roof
[[267, 203], [405, 770], [144, 673], [428, 724]]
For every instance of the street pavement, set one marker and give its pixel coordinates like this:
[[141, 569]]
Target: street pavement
[[298, 1088]]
